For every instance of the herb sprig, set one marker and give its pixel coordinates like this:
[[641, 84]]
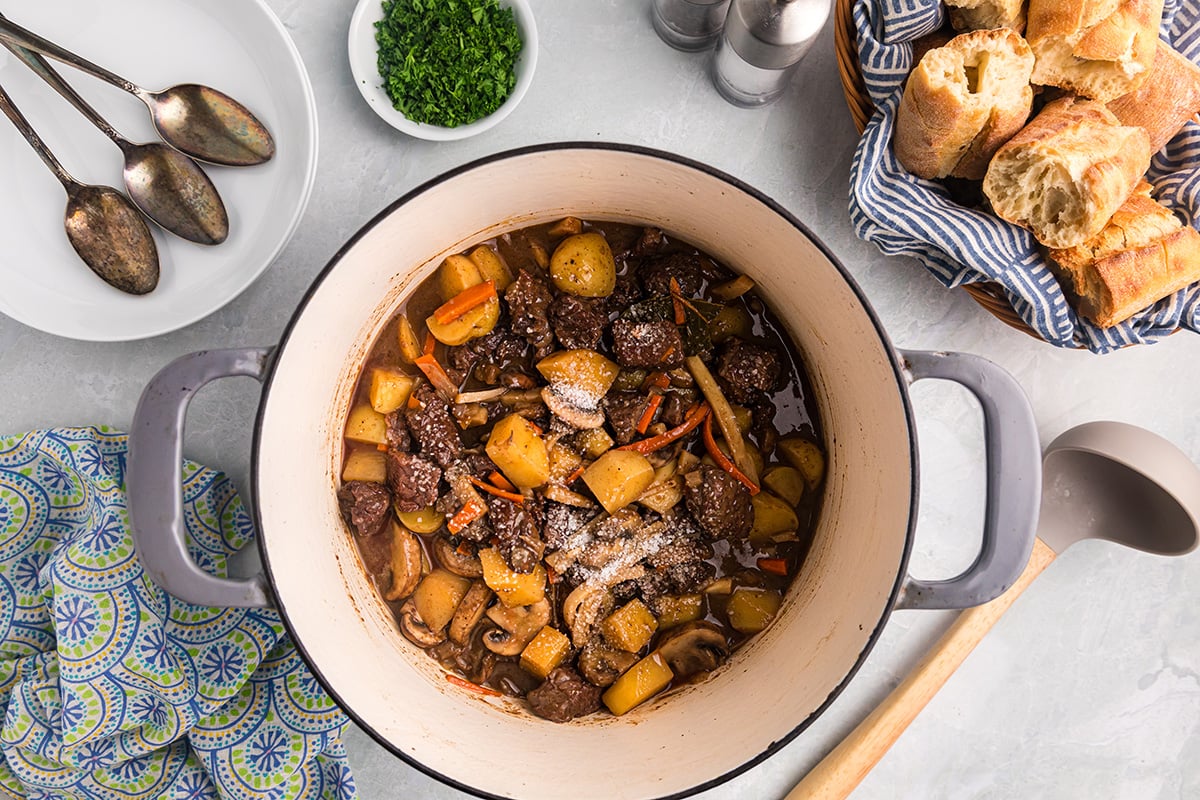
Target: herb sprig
[[447, 62]]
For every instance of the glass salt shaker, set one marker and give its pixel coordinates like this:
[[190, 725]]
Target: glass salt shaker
[[689, 24], [761, 46]]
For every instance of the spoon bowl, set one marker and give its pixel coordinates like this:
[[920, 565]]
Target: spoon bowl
[[111, 237], [172, 190]]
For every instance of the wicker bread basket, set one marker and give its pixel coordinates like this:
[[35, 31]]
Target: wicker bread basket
[[987, 295]]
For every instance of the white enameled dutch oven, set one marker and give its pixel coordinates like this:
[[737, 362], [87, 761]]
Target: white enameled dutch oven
[[688, 739]]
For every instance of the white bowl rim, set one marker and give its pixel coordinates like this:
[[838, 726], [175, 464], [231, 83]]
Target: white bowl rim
[[362, 54]]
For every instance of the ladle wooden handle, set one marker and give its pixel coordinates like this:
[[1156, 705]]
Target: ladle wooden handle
[[837, 775]]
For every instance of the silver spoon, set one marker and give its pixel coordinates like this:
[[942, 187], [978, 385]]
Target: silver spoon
[[198, 120], [105, 229], [1101, 480], [166, 185]]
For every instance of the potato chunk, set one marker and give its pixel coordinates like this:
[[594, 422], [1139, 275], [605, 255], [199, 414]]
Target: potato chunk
[[787, 482], [618, 477], [516, 447], [365, 465], [513, 588], [674, 610], [545, 652], [491, 266], [805, 456], [630, 627], [390, 389], [437, 597], [644, 679], [583, 265], [772, 515], [455, 275], [588, 371], [365, 424], [750, 610]]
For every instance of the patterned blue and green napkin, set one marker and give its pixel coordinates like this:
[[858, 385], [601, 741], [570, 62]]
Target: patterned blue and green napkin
[[114, 689]]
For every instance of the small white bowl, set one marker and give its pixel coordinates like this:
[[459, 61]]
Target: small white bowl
[[364, 65]]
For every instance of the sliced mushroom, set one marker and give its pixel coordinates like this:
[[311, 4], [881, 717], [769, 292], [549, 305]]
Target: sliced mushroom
[[602, 664], [470, 610], [415, 629], [562, 407], [694, 648], [583, 608], [517, 628], [446, 554], [406, 563]]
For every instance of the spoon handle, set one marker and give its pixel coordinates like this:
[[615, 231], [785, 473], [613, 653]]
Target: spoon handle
[[837, 775], [13, 33], [35, 141], [50, 75]]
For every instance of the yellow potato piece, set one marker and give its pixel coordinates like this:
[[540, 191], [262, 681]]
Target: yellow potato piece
[[787, 482], [427, 520], [805, 456], [406, 338], [630, 627], [772, 515], [437, 597], [545, 652], [513, 588], [618, 477], [750, 610], [642, 681], [519, 451], [456, 274], [588, 371], [389, 390], [674, 610], [583, 265], [491, 266], [365, 465], [365, 424]]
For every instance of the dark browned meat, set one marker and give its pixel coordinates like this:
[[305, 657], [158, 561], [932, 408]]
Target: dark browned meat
[[472, 660], [413, 480], [578, 322], [747, 370], [518, 528], [433, 428], [627, 292], [623, 410], [673, 409], [762, 426], [365, 506], [398, 437], [564, 696], [649, 242], [376, 552], [686, 268], [498, 347], [720, 504], [653, 345], [528, 300], [562, 521]]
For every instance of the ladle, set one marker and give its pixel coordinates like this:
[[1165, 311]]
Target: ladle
[[105, 229], [166, 185], [1101, 480], [197, 120]]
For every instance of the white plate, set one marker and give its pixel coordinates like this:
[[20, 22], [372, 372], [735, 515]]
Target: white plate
[[237, 46]]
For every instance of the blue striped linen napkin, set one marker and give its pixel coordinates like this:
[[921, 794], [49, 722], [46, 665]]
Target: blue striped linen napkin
[[906, 215], [114, 690]]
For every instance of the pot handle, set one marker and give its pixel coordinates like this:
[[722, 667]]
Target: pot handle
[[1014, 481], [153, 479]]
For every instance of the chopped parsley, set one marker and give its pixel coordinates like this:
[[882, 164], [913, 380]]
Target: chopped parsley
[[447, 62]]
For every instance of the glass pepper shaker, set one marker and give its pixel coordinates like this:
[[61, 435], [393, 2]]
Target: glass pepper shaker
[[762, 44], [689, 24]]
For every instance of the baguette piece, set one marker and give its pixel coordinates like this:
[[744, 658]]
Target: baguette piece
[[962, 102], [981, 15], [1067, 171], [1097, 48], [1168, 98], [1141, 256]]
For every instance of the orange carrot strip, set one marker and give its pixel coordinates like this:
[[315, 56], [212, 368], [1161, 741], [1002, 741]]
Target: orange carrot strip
[[381, 447], [472, 510], [430, 343], [656, 400], [499, 480], [776, 566], [487, 487], [656, 380], [710, 444], [464, 301], [677, 301], [574, 476], [473, 687], [438, 377], [694, 417], [413, 403]]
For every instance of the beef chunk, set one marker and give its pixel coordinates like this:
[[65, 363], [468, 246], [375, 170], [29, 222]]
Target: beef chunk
[[562, 521], [433, 428], [564, 696], [413, 480], [654, 345], [673, 409], [398, 437], [623, 410], [478, 464], [762, 426], [686, 268], [720, 504], [528, 301], [578, 322], [365, 506], [499, 347], [747, 369], [690, 576], [625, 293], [649, 242], [517, 527]]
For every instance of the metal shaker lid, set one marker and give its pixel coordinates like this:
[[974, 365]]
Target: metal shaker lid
[[774, 34]]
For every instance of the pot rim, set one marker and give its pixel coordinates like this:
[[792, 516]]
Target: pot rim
[[640, 150]]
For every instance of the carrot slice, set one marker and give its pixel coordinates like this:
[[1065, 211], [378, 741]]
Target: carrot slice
[[473, 687], [677, 301], [464, 301], [693, 418], [656, 400], [430, 343], [656, 380], [710, 444], [472, 510], [499, 480], [438, 377], [776, 566], [490, 489]]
